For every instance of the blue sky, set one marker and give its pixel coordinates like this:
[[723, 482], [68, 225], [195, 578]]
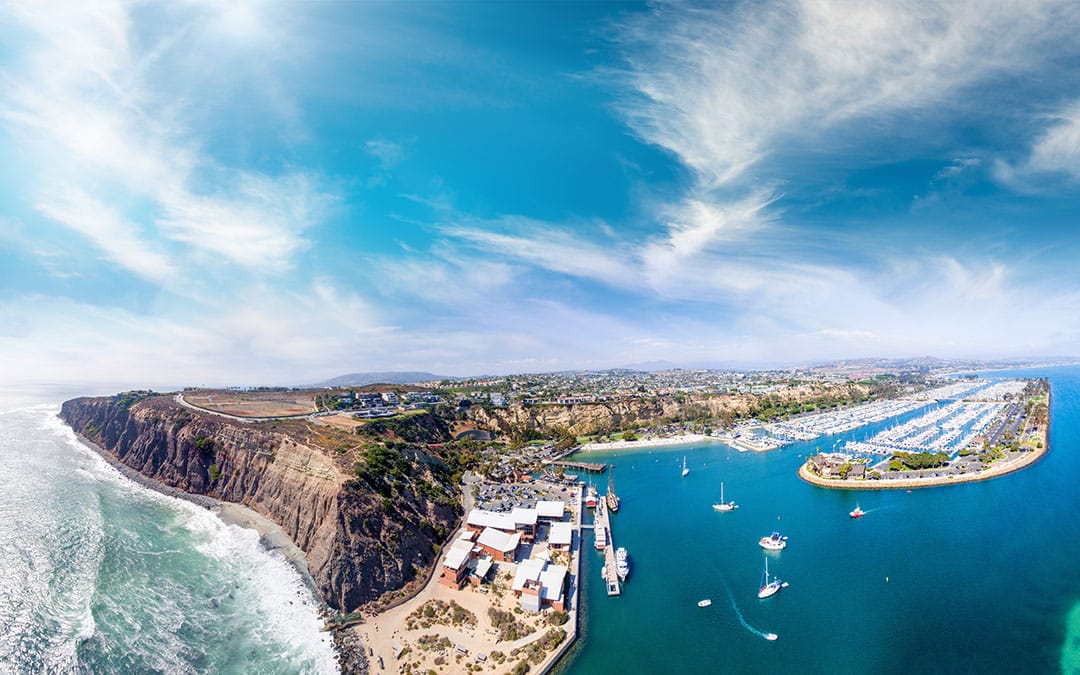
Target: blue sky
[[220, 193]]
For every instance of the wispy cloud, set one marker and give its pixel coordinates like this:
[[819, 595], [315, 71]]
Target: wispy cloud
[[1056, 150], [545, 245], [389, 153], [117, 238], [88, 102], [725, 88]]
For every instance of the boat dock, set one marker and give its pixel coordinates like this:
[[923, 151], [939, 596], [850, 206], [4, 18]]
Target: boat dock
[[582, 466], [601, 522]]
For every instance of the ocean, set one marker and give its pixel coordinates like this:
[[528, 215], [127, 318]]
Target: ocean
[[972, 578], [100, 575]]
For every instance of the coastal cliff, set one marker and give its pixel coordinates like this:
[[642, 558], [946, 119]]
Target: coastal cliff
[[361, 537], [587, 418], [638, 411]]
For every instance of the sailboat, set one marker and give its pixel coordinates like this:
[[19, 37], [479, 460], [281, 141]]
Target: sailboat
[[724, 506], [769, 587], [685, 471], [612, 498]]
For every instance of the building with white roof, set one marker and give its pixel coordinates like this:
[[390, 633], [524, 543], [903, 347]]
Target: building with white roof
[[525, 523], [501, 546], [540, 584], [560, 536], [456, 563], [550, 510], [480, 519]]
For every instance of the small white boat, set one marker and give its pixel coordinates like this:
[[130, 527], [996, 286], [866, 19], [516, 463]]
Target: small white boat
[[685, 471], [769, 588], [704, 603], [622, 563], [771, 636], [724, 506], [857, 513], [773, 542]]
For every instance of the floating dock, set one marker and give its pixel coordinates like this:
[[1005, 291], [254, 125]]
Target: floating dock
[[602, 524]]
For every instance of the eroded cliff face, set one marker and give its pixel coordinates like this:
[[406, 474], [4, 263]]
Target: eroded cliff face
[[358, 544], [586, 418]]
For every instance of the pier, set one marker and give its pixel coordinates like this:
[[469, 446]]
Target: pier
[[602, 522], [582, 466]]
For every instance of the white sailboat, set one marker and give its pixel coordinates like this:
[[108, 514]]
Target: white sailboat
[[769, 587], [685, 471], [724, 506]]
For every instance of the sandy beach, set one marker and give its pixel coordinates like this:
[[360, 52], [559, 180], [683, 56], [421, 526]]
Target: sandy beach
[[649, 442], [999, 468]]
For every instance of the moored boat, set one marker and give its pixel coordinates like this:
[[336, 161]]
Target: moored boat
[[773, 542], [590, 496], [704, 603], [622, 563], [612, 498], [724, 506], [769, 588]]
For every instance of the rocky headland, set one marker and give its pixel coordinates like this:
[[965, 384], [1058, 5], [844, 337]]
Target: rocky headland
[[368, 516]]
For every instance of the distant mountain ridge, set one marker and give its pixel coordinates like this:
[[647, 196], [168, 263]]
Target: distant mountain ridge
[[385, 377]]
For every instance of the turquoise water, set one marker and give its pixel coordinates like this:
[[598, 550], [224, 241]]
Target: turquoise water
[[100, 575], [979, 577]]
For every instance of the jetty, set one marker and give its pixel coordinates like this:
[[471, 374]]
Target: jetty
[[582, 466], [602, 527]]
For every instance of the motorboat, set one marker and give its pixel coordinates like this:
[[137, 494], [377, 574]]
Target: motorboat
[[773, 542]]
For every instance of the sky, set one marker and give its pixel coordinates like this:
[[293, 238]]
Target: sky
[[213, 193]]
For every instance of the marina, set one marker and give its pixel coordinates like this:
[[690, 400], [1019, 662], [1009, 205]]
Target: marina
[[838, 593]]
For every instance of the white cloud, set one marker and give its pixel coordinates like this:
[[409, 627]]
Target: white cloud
[[556, 249], [389, 153], [257, 224], [119, 239], [92, 104], [1056, 150], [725, 88]]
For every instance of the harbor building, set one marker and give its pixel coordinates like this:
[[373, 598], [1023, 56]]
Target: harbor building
[[550, 511], [501, 546], [540, 584], [560, 537], [461, 553]]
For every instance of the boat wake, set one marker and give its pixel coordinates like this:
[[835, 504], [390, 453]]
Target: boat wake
[[747, 626]]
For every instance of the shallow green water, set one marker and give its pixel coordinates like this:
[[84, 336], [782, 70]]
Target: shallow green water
[[979, 577]]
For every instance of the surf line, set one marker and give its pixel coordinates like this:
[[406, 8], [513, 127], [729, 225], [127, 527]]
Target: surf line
[[755, 631]]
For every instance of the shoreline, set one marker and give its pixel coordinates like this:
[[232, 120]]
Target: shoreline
[[996, 470], [650, 442], [271, 535]]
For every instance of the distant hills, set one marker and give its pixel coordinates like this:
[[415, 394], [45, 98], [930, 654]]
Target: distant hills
[[387, 377]]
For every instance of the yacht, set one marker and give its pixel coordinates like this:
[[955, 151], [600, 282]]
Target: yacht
[[857, 513], [622, 563], [773, 542], [685, 471]]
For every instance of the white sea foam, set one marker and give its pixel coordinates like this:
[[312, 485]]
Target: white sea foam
[[57, 594]]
